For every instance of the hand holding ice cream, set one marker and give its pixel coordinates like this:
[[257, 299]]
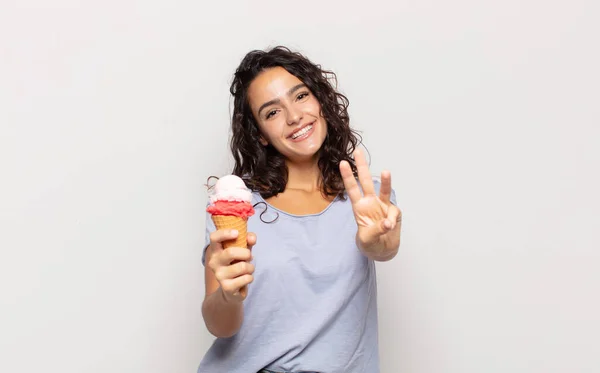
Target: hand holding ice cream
[[230, 208]]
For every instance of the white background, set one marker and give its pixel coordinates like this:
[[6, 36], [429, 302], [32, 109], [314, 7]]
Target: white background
[[114, 113]]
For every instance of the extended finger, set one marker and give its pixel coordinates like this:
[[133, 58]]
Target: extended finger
[[364, 175], [349, 182], [385, 191]]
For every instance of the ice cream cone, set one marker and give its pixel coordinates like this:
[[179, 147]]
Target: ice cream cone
[[240, 224], [233, 222], [230, 208]]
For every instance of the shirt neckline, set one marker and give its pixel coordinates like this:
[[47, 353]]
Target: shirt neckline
[[262, 200]]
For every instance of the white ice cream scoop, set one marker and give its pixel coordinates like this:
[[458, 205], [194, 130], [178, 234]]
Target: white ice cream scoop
[[231, 188]]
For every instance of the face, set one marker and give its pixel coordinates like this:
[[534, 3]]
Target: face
[[288, 114]]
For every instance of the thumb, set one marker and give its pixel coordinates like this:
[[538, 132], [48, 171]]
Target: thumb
[[386, 226], [381, 228], [371, 234]]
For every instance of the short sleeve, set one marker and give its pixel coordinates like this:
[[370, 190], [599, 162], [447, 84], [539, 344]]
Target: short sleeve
[[209, 228]]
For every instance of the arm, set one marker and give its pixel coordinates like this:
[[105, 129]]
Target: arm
[[222, 308], [222, 318]]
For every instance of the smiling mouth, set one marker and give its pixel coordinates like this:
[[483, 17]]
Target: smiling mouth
[[301, 132]]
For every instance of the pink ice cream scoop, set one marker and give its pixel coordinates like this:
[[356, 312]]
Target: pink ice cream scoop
[[231, 198]]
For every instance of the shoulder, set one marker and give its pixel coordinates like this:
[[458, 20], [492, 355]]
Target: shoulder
[[256, 197]]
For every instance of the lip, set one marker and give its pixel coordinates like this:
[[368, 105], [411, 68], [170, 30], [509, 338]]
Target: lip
[[300, 129]]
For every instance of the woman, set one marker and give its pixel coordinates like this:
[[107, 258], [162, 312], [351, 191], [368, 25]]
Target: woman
[[311, 299]]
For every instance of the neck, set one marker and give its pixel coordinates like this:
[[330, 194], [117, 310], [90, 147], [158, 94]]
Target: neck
[[305, 176]]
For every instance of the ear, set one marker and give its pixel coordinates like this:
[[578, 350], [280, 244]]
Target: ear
[[262, 141]]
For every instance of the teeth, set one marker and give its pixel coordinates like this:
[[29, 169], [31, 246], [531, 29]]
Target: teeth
[[302, 132]]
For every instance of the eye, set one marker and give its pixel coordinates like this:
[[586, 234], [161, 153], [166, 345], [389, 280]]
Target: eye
[[271, 113], [302, 95]]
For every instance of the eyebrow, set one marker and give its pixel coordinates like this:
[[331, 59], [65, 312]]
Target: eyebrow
[[276, 101]]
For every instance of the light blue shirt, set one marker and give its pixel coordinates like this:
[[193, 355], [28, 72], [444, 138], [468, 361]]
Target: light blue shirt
[[313, 303]]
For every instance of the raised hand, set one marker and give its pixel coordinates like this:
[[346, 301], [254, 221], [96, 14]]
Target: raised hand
[[378, 220]]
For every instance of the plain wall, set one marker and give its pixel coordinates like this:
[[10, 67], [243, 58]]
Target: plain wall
[[113, 114]]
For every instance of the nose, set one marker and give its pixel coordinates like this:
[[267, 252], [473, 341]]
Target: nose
[[294, 115]]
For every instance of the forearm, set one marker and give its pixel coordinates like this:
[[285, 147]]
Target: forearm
[[222, 318]]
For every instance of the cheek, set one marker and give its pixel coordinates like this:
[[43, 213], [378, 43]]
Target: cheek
[[262, 133], [270, 131], [316, 108]]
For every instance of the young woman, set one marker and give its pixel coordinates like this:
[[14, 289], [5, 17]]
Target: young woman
[[321, 221]]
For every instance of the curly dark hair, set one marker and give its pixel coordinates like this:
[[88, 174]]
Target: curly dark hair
[[263, 168]]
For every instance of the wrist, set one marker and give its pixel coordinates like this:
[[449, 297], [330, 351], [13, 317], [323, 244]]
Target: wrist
[[229, 300]]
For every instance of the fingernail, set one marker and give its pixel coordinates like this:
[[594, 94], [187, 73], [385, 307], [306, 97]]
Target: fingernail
[[234, 232]]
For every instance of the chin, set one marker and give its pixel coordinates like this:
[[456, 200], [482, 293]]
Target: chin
[[306, 154]]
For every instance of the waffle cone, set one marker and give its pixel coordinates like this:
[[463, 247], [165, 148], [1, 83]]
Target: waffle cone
[[239, 224], [233, 222]]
